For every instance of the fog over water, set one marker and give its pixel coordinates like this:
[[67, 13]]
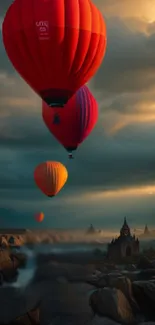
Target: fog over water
[[26, 274]]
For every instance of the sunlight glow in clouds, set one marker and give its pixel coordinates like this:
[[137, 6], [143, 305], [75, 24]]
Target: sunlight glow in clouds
[[143, 113], [21, 99], [97, 196], [143, 9], [129, 192], [124, 120], [126, 192]]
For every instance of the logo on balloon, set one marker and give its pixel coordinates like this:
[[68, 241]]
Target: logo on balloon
[[43, 29]]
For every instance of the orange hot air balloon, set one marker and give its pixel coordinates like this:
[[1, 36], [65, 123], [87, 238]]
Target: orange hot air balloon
[[39, 216], [55, 45], [50, 177]]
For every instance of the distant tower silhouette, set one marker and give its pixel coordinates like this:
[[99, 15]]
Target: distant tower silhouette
[[91, 230], [146, 230]]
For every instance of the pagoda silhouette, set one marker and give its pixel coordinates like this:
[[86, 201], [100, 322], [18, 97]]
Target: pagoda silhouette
[[125, 245]]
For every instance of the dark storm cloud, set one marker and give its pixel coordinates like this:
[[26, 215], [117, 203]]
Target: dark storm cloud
[[17, 169], [14, 218], [103, 163], [116, 164], [5, 64], [129, 64], [28, 132], [4, 5], [11, 218]]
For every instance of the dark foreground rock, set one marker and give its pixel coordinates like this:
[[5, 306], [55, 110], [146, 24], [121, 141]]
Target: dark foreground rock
[[9, 264], [32, 317], [144, 293], [73, 294], [114, 297], [144, 263], [15, 302], [112, 303]]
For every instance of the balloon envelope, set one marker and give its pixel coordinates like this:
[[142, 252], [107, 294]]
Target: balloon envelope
[[72, 124], [55, 45], [50, 177], [39, 217]]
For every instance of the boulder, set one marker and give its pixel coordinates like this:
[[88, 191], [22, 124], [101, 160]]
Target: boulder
[[30, 318], [19, 260], [144, 293], [144, 263], [124, 284], [146, 274], [15, 303], [98, 281], [63, 300], [112, 303]]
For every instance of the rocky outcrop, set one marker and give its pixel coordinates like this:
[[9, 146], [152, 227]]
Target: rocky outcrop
[[112, 303], [136, 300], [144, 263], [9, 264], [18, 259], [15, 303], [31, 317], [8, 272], [73, 294], [144, 293]]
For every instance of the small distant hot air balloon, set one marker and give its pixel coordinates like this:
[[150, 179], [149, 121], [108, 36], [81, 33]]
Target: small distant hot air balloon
[[74, 123], [39, 217], [55, 45], [50, 177]]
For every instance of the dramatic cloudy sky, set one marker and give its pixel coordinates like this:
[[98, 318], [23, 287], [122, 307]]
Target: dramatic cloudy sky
[[113, 174]]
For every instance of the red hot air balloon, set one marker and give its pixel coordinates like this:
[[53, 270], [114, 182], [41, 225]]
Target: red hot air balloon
[[55, 45], [39, 217], [74, 123]]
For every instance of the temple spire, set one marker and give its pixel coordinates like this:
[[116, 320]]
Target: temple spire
[[125, 230], [125, 222]]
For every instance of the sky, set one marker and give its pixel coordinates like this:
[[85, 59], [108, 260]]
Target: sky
[[113, 173]]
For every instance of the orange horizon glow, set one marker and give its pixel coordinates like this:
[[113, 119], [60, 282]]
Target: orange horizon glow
[[97, 196], [126, 192]]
